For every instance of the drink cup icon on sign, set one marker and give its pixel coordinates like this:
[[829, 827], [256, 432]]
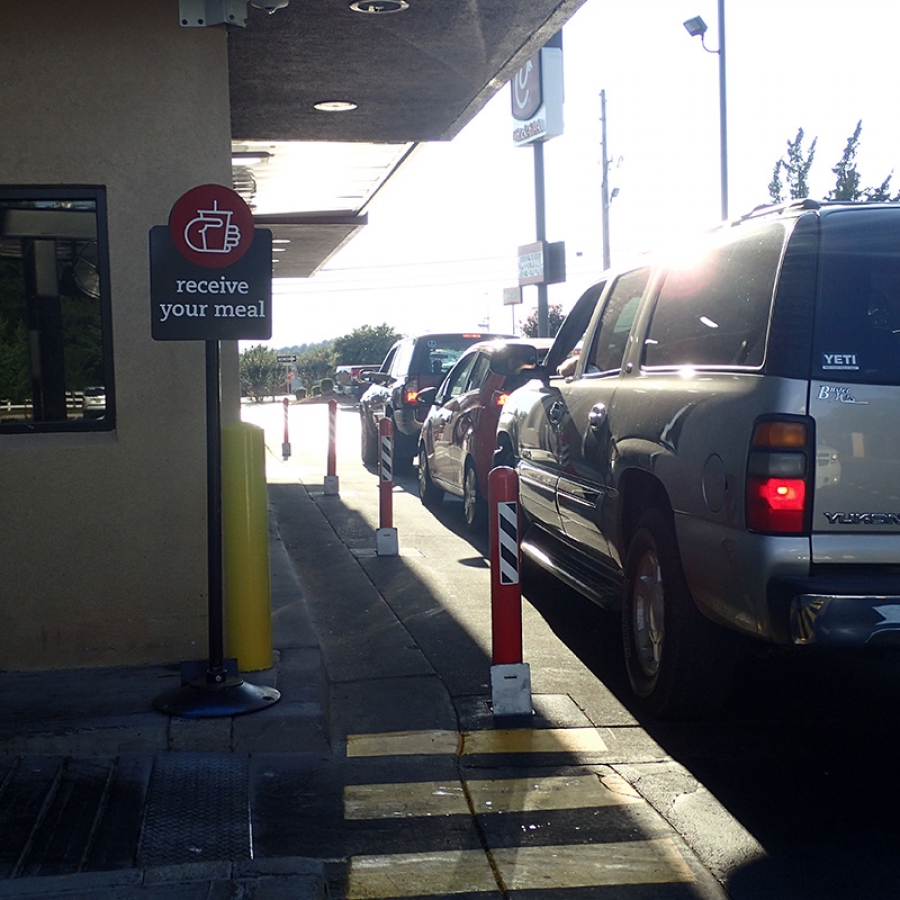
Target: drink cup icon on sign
[[212, 231]]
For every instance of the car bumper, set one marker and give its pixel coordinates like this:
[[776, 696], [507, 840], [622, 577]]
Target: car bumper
[[847, 618], [406, 421]]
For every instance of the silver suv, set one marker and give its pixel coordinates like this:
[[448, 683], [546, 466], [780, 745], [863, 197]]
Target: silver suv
[[721, 457]]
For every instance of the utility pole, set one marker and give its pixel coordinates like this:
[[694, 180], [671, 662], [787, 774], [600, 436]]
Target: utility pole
[[604, 185]]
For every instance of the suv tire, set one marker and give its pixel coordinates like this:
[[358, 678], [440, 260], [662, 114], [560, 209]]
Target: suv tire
[[679, 663], [405, 449], [368, 442]]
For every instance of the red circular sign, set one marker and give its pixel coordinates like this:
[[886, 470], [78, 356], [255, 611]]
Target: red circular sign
[[211, 226]]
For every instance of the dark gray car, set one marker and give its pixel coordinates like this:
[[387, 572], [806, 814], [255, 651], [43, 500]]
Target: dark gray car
[[411, 365]]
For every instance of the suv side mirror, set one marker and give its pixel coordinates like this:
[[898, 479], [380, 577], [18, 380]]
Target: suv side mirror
[[512, 359]]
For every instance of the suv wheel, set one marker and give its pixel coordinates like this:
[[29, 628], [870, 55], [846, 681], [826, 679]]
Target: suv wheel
[[429, 493], [368, 442], [405, 447], [474, 505], [679, 663]]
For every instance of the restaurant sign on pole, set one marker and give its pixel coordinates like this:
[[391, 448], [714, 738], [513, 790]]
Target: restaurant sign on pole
[[512, 296], [542, 263], [210, 270], [537, 95]]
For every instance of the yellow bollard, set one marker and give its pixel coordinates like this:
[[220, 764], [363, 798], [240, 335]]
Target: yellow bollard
[[245, 547]]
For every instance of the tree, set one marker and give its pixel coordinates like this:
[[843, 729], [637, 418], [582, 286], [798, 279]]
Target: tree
[[261, 373], [365, 345], [314, 365], [529, 327], [847, 185], [796, 168]]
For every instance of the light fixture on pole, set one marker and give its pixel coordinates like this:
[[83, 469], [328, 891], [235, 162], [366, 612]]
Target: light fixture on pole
[[696, 27]]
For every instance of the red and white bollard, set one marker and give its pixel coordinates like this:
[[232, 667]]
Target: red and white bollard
[[332, 484], [286, 445], [510, 677], [386, 536]]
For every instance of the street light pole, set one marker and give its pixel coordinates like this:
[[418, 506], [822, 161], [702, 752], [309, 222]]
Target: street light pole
[[604, 184], [696, 27], [723, 121]]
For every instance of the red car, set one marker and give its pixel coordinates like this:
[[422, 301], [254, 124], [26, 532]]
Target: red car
[[458, 437]]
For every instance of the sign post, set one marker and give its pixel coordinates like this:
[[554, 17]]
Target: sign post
[[537, 109], [211, 280]]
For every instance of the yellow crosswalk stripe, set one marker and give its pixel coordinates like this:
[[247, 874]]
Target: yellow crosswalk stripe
[[519, 868], [399, 801], [435, 798], [590, 865], [512, 740], [403, 743], [439, 874], [533, 740]]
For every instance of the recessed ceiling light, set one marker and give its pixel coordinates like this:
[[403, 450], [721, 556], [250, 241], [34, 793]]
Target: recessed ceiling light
[[379, 6], [335, 106]]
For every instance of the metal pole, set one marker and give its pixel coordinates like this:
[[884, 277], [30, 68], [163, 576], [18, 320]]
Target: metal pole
[[604, 185], [215, 673], [723, 122], [541, 229]]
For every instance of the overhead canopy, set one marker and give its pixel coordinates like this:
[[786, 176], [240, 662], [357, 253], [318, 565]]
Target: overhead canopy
[[415, 75]]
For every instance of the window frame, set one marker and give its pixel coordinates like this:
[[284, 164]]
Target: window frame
[[97, 195]]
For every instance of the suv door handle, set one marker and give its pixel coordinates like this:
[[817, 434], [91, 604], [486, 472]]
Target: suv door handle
[[555, 412], [597, 416]]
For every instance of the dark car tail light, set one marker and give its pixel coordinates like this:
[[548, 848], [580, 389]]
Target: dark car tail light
[[411, 390], [499, 398], [777, 497]]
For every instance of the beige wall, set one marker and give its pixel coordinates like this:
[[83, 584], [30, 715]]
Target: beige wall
[[103, 549]]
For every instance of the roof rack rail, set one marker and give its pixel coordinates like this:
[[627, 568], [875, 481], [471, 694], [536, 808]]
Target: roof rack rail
[[778, 208]]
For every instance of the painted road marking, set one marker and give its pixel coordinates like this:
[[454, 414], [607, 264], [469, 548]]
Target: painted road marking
[[404, 800], [519, 869], [420, 875], [512, 740], [533, 740], [403, 743], [401, 800], [589, 865]]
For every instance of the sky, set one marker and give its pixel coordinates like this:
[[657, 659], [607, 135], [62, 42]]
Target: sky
[[442, 239]]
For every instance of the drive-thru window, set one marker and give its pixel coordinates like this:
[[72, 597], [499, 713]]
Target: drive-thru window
[[55, 348]]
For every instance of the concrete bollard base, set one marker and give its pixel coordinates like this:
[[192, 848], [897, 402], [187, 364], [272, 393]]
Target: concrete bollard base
[[386, 543], [511, 689]]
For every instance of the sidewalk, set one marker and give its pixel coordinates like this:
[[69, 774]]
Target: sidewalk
[[87, 779], [380, 772]]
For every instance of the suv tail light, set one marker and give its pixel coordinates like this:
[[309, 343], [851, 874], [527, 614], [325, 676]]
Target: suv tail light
[[411, 390], [777, 477], [499, 398]]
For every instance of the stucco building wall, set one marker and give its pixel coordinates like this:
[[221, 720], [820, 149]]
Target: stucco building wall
[[104, 537]]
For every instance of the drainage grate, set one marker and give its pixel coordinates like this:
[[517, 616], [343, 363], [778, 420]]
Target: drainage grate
[[198, 809]]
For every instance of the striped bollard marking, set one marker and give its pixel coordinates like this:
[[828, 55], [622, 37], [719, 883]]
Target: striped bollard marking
[[510, 677], [386, 535], [332, 484], [286, 443]]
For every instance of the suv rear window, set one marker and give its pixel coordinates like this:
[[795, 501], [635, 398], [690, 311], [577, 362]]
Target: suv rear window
[[715, 311], [857, 333], [436, 354]]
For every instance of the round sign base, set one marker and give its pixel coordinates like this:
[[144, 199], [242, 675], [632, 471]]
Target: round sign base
[[201, 699]]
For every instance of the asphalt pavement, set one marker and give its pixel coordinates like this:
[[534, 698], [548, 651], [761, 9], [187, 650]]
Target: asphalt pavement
[[381, 772]]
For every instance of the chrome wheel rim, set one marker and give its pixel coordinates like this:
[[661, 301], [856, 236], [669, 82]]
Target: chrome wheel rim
[[649, 614]]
